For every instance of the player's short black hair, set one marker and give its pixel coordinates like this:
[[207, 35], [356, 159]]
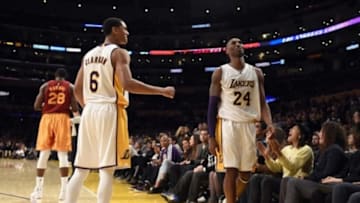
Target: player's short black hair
[[109, 23], [61, 73]]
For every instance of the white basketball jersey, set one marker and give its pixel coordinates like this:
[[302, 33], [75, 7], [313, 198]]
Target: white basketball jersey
[[100, 82], [240, 96]]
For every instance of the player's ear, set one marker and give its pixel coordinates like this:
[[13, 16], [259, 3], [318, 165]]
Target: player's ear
[[115, 29]]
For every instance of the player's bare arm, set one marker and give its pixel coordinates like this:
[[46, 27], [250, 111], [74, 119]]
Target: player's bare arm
[[40, 98], [121, 61], [265, 109], [73, 104], [214, 99], [78, 88]]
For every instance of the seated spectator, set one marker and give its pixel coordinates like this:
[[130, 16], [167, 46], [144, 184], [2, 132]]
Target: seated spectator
[[188, 187], [8, 149], [175, 143], [351, 146], [315, 141], [346, 193], [350, 174], [294, 160], [356, 117], [2, 149], [331, 161], [139, 162], [169, 155], [20, 151], [216, 180], [187, 149], [150, 171], [189, 158], [180, 134]]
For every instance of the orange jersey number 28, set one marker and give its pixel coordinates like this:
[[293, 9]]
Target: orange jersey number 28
[[56, 98]]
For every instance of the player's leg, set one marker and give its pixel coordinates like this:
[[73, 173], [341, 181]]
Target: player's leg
[[62, 131], [230, 184], [241, 183], [40, 171], [74, 186], [64, 171], [231, 157], [43, 144], [105, 185], [247, 154]]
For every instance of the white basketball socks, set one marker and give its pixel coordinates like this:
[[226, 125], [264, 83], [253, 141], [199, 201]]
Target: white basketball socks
[[38, 190], [64, 181]]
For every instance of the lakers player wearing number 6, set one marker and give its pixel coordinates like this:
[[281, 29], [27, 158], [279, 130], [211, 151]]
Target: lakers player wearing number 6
[[101, 87], [236, 101], [55, 99]]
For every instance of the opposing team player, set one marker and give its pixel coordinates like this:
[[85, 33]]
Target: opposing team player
[[55, 99]]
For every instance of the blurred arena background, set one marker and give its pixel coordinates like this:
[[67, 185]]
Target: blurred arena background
[[307, 49]]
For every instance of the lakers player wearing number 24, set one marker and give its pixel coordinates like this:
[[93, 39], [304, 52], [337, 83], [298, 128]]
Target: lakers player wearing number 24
[[236, 101]]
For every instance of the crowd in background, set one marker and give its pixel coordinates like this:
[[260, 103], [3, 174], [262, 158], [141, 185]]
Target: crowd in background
[[179, 166], [298, 137]]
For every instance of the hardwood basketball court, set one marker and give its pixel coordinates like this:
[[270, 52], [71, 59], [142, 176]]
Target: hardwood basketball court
[[18, 180]]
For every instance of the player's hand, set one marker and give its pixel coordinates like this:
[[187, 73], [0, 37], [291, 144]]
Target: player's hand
[[270, 131], [168, 92], [213, 145]]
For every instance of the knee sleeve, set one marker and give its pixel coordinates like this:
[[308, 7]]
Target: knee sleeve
[[63, 159], [43, 159]]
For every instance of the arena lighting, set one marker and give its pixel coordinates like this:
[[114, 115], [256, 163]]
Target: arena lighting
[[273, 42], [251, 45], [313, 33], [267, 63], [176, 70], [198, 26], [92, 25], [162, 52], [352, 47], [9, 43], [281, 62], [18, 44], [270, 99], [40, 46], [207, 50], [4, 93], [71, 49], [57, 48], [262, 64], [210, 69]]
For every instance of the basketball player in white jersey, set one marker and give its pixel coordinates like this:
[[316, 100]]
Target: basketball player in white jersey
[[236, 102], [101, 88]]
